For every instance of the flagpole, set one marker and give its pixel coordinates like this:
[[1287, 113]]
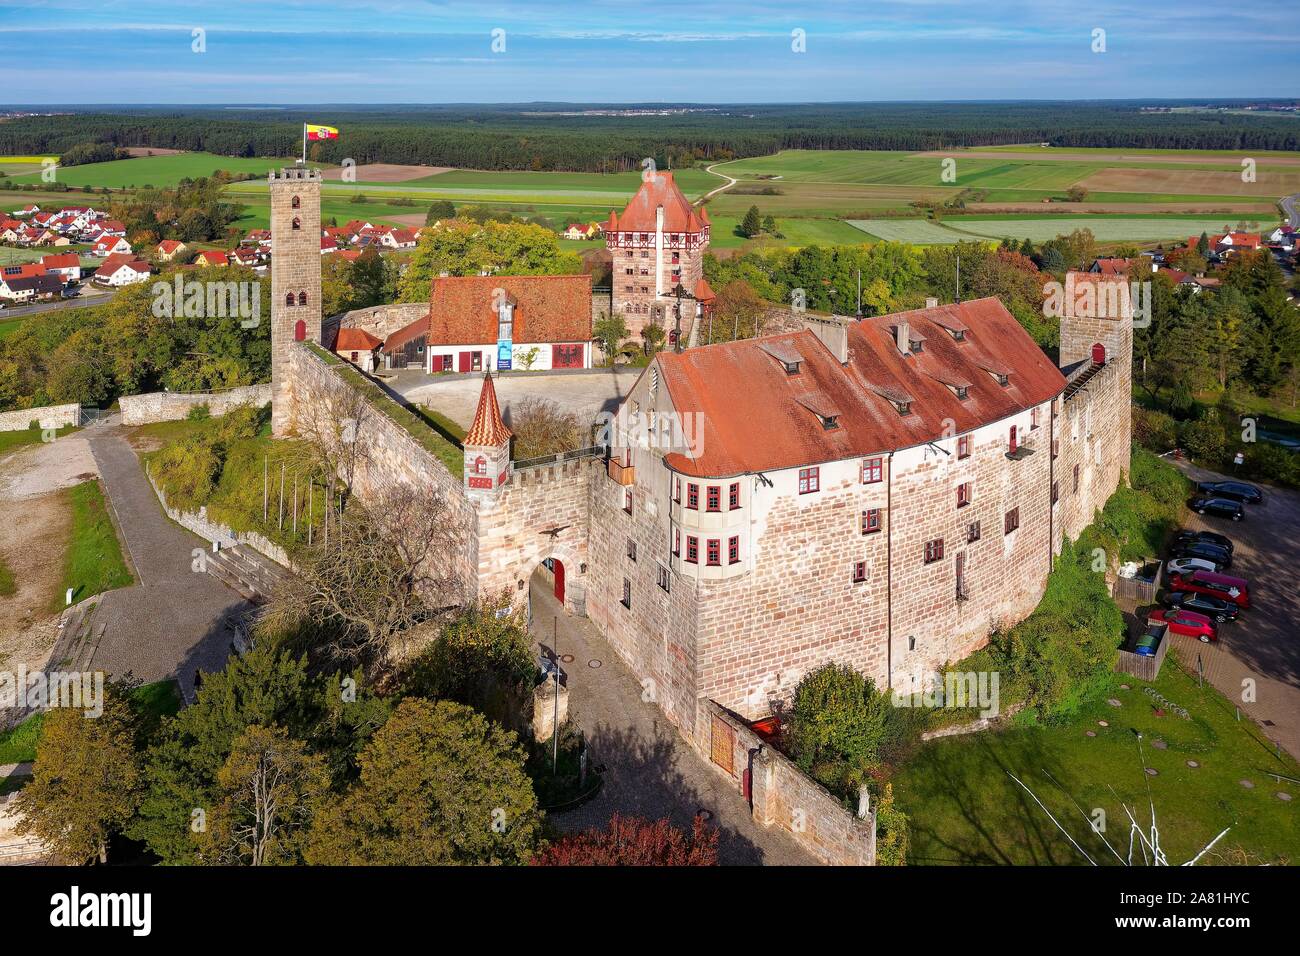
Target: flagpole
[[304, 144]]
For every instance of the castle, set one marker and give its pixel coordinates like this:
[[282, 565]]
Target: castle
[[881, 492]]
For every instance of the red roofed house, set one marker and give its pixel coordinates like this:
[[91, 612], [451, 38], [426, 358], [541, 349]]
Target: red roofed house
[[212, 257], [110, 245], [65, 264], [122, 269], [169, 249], [485, 323], [657, 244], [1230, 242], [882, 493], [399, 238], [358, 347], [487, 446]]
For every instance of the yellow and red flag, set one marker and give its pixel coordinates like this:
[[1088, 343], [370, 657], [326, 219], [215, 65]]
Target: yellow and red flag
[[321, 132]]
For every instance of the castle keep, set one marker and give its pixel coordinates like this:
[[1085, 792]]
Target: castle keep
[[882, 493]]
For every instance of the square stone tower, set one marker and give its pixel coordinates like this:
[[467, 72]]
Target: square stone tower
[[295, 276]]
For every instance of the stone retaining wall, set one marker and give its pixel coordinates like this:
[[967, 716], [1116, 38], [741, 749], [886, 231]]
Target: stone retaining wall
[[382, 321], [782, 795], [174, 406], [51, 416], [214, 531]]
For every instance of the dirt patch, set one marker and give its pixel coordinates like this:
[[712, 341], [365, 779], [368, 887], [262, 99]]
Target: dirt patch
[[37, 470], [152, 151], [1064, 157], [1190, 181], [386, 173], [413, 220], [33, 536]]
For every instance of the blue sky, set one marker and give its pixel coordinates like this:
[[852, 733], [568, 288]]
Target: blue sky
[[408, 51]]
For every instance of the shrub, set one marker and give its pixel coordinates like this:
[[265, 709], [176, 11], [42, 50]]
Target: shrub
[[837, 724], [199, 413], [1204, 439], [1154, 430]]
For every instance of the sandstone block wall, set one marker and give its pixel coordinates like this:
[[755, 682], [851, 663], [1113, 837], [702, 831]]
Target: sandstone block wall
[[49, 416], [295, 270], [209, 530], [173, 406], [782, 795], [382, 321]]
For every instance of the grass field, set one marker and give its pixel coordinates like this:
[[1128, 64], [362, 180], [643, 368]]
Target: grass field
[[970, 228], [964, 809], [94, 560], [156, 170]]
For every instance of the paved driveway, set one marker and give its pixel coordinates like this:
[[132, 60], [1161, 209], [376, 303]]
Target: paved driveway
[[1263, 644], [650, 770], [173, 620]]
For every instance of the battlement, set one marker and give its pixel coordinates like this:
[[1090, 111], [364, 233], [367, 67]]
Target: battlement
[[298, 173]]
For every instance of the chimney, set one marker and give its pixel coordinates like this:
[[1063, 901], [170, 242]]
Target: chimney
[[931, 302], [902, 336]]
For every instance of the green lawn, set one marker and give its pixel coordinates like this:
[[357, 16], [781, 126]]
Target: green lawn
[[27, 436], [157, 170], [18, 745], [965, 809], [94, 561]]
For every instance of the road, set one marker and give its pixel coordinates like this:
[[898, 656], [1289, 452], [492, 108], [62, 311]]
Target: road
[[82, 301], [727, 185], [1289, 207]]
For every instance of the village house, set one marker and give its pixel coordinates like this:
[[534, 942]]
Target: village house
[[66, 265], [487, 323], [169, 249], [122, 269], [29, 288], [212, 258], [109, 246]]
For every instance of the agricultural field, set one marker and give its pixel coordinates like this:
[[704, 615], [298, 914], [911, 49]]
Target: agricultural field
[[1104, 228], [155, 170]]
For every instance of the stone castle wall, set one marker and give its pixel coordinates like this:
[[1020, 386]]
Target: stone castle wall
[[295, 270], [382, 321], [49, 416], [173, 406]]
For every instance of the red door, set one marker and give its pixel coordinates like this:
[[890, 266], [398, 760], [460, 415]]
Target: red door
[[463, 361], [1098, 354], [559, 581]]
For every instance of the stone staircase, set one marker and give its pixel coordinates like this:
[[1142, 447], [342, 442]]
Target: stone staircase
[[79, 637], [243, 569]]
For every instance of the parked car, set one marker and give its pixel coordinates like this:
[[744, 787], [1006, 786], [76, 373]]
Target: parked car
[[1221, 507], [1186, 622], [1188, 565], [1232, 490], [1214, 607], [1209, 537], [1205, 551], [1221, 586]]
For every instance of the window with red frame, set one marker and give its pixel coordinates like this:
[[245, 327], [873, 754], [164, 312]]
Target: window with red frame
[[859, 572], [963, 494], [809, 480], [693, 496], [933, 550], [713, 498], [714, 552], [1033, 417], [963, 446], [733, 496], [873, 470], [692, 549], [627, 500], [870, 520], [973, 532], [1012, 520], [733, 550], [1012, 439]]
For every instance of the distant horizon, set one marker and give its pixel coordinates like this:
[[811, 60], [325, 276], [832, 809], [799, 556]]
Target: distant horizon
[[358, 52]]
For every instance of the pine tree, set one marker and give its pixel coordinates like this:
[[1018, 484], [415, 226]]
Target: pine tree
[[752, 224]]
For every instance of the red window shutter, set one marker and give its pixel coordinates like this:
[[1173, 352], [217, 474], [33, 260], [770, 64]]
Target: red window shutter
[[1013, 438]]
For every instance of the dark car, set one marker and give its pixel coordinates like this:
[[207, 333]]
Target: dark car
[[1212, 607], [1221, 507], [1208, 537], [1203, 550], [1232, 490]]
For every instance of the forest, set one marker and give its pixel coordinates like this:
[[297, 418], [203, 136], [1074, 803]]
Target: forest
[[551, 137]]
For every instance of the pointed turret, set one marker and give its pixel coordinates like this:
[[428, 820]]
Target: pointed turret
[[487, 443]]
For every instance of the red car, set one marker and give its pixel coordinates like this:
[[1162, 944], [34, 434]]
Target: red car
[[1221, 586], [1186, 622]]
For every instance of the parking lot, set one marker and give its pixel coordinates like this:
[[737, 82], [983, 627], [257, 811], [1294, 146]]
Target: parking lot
[[1263, 644]]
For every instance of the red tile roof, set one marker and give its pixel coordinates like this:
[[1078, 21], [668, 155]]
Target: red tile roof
[[659, 190], [488, 429], [757, 417], [168, 246], [213, 258], [407, 333], [24, 270], [356, 340], [1113, 267], [462, 309], [66, 260]]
